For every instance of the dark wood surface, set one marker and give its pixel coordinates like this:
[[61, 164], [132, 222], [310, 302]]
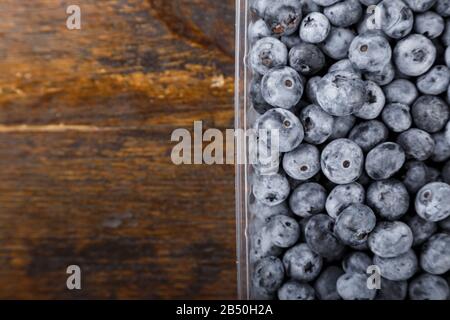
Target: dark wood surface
[[85, 171]]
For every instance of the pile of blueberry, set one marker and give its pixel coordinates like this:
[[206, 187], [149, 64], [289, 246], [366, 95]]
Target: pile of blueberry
[[359, 92]]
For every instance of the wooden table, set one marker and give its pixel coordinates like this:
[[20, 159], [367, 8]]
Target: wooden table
[[85, 172]]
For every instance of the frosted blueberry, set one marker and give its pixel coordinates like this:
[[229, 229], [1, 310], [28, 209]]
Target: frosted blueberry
[[374, 103], [261, 245], [436, 81], [301, 263], [308, 199], [390, 239], [283, 17], [321, 239], [370, 52], [315, 28], [441, 151], [309, 6], [433, 201], [342, 161], [420, 5], [435, 256], [421, 229], [414, 55], [369, 134], [284, 231], [356, 262], [442, 7], [342, 196], [271, 190], [428, 287], [325, 284], [306, 58], [344, 13], [294, 290], [353, 286], [262, 213], [258, 30], [429, 24], [341, 93], [342, 126], [401, 91], [385, 160], [430, 113], [259, 104], [318, 124], [282, 87], [302, 163], [382, 77], [400, 268], [395, 18], [417, 144], [397, 117], [268, 275], [388, 198], [344, 65], [337, 43], [311, 89], [288, 126], [268, 53], [392, 290], [354, 224]]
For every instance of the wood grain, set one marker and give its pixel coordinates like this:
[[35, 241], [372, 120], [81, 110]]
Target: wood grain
[[85, 123]]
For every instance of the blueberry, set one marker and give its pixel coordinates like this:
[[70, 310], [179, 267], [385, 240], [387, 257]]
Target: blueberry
[[385, 160], [311, 89], [291, 41], [301, 263], [369, 134], [442, 7], [342, 126], [321, 239], [420, 5], [344, 65], [282, 87], [390, 239], [325, 284], [308, 199], [337, 43], [284, 231], [382, 77], [397, 117], [417, 144], [395, 18], [258, 6], [258, 30], [430, 113], [421, 229], [374, 103], [290, 130], [294, 290], [370, 52], [388, 198], [309, 6], [353, 286], [356, 262], [261, 245], [271, 190], [354, 224], [283, 17], [318, 124], [429, 24], [435, 255], [414, 55], [433, 201], [342, 161], [441, 151], [400, 268], [315, 28], [401, 91], [445, 39], [428, 287], [259, 104], [268, 53], [342, 196], [341, 93], [262, 213], [303, 163], [344, 13], [268, 275], [306, 58], [392, 290]]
